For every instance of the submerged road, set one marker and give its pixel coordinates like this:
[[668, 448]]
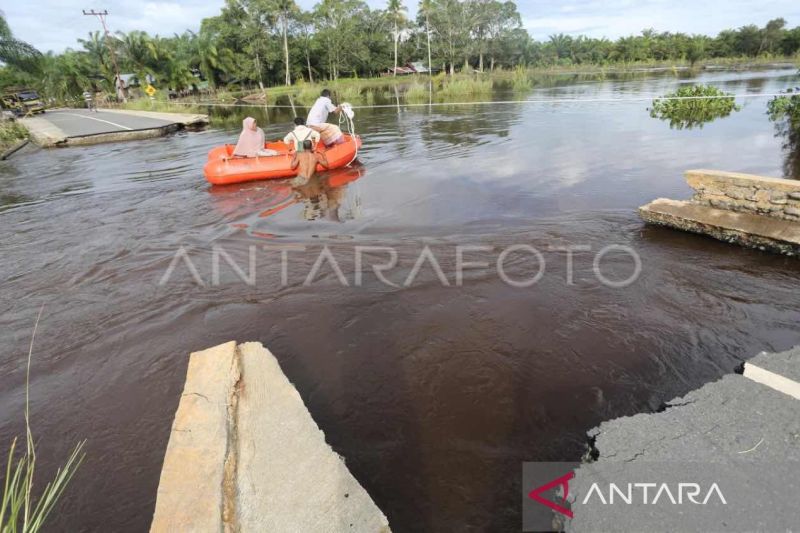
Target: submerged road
[[61, 127], [80, 122]]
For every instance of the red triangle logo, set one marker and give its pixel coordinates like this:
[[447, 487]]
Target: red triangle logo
[[563, 481]]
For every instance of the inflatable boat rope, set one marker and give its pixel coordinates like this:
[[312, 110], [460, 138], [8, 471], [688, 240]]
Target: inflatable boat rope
[[346, 120]]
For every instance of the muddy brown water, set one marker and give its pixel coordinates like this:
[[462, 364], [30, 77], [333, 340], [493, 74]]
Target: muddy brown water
[[435, 394]]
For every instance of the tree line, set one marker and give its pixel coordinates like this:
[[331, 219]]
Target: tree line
[[274, 42]]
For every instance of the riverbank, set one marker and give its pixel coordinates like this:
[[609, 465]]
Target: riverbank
[[353, 88], [13, 136]]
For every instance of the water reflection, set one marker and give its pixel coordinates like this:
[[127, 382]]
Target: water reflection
[[326, 196], [700, 106], [10, 199], [790, 138], [784, 112]]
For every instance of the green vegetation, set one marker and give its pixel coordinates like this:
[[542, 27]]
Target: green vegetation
[[785, 108], [257, 44], [11, 132], [18, 510], [693, 106], [784, 111], [521, 80], [418, 93], [161, 105], [462, 87]]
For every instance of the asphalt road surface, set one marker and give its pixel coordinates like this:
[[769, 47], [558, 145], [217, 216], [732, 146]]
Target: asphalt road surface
[[79, 122]]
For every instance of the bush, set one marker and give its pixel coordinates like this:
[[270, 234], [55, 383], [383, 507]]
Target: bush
[[785, 108], [11, 132]]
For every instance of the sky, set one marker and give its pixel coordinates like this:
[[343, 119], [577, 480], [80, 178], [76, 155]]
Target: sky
[[57, 24]]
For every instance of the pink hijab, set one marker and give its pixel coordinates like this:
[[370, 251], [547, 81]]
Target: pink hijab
[[251, 140]]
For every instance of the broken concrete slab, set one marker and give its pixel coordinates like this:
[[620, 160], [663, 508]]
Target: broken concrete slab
[[276, 474], [190, 495], [285, 463], [784, 363], [43, 132], [738, 429], [751, 230]]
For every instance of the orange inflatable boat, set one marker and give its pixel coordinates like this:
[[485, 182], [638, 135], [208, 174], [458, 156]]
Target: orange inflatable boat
[[222, 168]]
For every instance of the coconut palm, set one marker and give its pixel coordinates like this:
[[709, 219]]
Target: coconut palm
[[138, 52], [210, 58], [13, 51]]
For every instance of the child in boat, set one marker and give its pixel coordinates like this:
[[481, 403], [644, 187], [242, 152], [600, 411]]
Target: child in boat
[[300, 133], [251, 141], [306, 163]]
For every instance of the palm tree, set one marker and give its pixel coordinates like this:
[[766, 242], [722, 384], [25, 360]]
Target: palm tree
[[138, 51], [397, 15], [13, 51], [207, 57]]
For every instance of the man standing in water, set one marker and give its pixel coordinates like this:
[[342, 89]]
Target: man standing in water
[[306, 163]]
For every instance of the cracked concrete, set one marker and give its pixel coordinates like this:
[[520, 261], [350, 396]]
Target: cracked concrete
[[728, 427], [245, 455]]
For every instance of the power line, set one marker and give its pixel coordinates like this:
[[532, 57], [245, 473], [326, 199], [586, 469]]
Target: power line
[[102, 16], [508, 102]]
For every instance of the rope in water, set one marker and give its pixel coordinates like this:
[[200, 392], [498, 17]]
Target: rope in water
[[505, 102]]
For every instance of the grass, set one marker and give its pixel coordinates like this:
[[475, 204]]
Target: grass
[[11, 132], [417, 93], [18, 510], [163, 106], [521, 80], [465, 87]]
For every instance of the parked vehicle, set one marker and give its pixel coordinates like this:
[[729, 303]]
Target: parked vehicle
[[22, 102]]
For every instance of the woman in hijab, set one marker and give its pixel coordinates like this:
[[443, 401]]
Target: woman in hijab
[[251, 140]]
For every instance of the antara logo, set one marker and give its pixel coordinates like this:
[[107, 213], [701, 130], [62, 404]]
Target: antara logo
[[684, 491], [635, 493], [563, 482]]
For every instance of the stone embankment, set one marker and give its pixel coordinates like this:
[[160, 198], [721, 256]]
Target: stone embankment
[[245, 455], [745, 209]]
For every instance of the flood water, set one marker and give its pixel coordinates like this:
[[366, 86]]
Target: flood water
[[434, 393]]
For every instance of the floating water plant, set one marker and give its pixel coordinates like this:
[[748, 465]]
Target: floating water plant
[[693, 106]]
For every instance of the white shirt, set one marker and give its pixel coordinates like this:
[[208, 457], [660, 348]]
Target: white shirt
[[319, 111], [300, 134]]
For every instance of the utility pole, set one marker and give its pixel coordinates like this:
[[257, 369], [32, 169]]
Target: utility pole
[[117, 80]]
